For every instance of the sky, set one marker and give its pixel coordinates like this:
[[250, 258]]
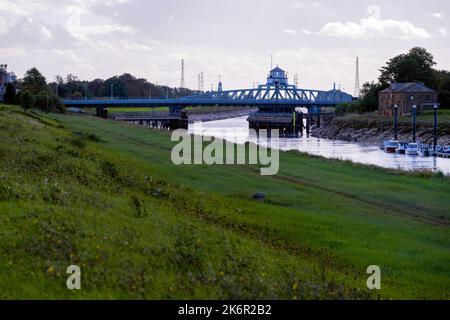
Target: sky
[[318, 40]]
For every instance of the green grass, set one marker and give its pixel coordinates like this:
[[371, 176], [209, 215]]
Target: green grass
[[428, 117], [105, 196], [425, 118]]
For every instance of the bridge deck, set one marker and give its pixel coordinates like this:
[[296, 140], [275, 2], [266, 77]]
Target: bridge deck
[[145, 103]]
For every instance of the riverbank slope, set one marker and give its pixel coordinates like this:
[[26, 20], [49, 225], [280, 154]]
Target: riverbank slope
[[105, 196], [372, 129]]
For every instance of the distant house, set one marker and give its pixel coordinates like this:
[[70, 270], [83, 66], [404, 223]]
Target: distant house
[[5, 78], [405, 96]]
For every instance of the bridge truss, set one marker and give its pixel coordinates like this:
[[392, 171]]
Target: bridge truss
[[277, 95]]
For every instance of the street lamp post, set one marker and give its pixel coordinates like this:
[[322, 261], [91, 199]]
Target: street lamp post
[[112, 91], [395, 122]]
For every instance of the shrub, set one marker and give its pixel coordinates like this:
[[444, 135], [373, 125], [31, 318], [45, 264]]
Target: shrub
[[109, 169], [138, 206], [10, 94], [43, 101], [27, 101], [57, 104], [341, 108], [49, 102]]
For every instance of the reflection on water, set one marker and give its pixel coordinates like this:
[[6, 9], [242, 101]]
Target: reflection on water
[[237, 130]]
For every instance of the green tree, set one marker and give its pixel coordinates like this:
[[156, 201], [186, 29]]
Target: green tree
[[10, 94], [34, 81], [27, 100], [443, 86], [56, 104], [119, 88], [49, 102], [42, 101], [369, 96], [416, 65]]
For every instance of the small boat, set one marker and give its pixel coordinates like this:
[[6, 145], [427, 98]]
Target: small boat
[[401, 149], [443, 152], [391, 146], [425, 150], [412, 149], [384, 144]]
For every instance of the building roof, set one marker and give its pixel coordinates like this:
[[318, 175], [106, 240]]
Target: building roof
[[277, 69], [409, 87]]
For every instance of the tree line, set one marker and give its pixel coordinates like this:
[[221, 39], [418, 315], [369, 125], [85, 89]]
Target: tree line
[[124, 86], [418, 65], [33, 91]]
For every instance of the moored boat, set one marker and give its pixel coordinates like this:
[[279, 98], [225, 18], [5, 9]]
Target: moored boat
[[425, 150], [401, 149], [412, 149], [444, 152], [390, 146]]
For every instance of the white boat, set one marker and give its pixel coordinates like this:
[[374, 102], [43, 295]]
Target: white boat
[[412, 149]]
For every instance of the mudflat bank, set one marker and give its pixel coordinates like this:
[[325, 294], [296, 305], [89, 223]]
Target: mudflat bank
[[214, 115], [374, 130]]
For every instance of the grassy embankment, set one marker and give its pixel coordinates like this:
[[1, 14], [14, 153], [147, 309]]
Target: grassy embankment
[[105, 196], [425, 118]]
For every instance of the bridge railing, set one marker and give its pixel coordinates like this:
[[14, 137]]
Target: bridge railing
[[145, 115]]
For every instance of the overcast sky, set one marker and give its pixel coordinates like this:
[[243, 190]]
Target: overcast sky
[[319, 40]]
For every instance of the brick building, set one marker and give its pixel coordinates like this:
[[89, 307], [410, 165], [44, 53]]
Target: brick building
[[405, 95]]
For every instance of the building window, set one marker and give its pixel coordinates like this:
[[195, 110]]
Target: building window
[[428, 97]]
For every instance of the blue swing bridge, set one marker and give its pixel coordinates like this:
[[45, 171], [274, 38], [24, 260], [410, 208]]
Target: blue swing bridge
[[278, 103]]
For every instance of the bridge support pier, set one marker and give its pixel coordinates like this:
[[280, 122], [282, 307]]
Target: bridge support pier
[[288, 122], [101, 112], [308, 124]]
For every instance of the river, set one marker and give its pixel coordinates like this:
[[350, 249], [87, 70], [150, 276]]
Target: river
[[237, 130]]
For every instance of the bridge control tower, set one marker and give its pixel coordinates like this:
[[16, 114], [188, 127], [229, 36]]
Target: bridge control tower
[[277, 77]]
